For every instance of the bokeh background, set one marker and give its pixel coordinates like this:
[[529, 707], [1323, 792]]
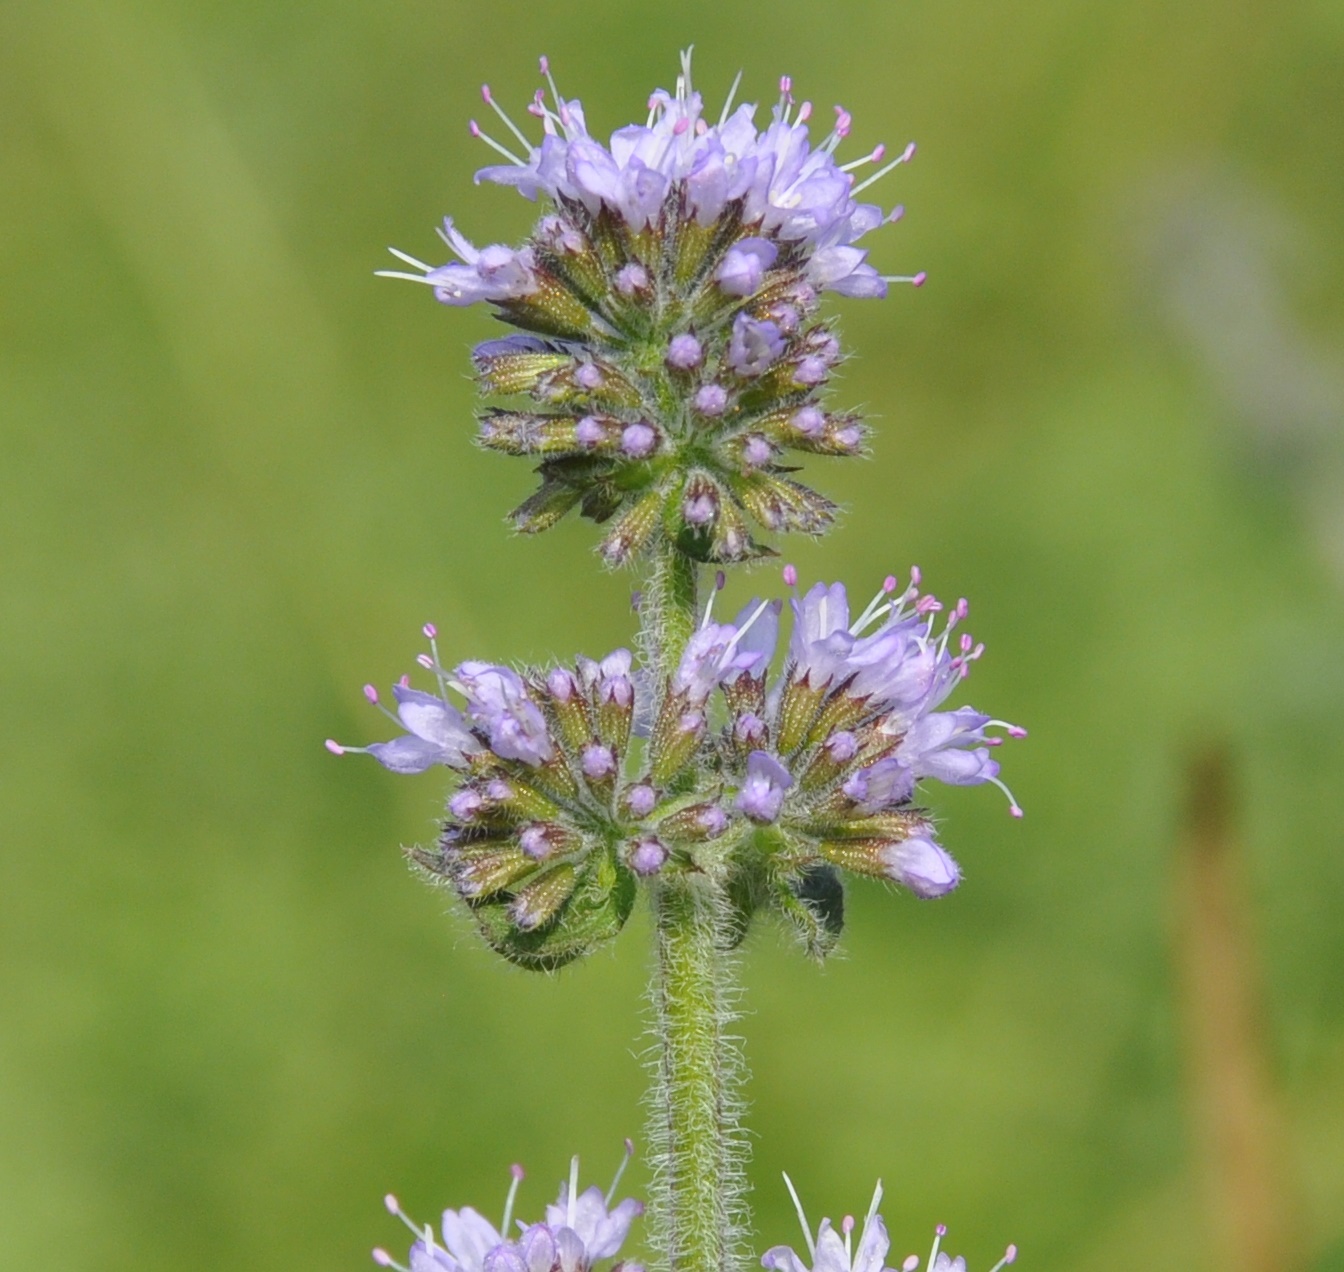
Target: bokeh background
[[237, 476]]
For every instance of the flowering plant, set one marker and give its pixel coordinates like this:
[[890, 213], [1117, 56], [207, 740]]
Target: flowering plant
[[671, 353]]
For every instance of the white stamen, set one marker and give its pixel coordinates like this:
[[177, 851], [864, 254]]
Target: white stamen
[[904, 157], [410, 260], [517, 1173], [478, 131], [508, 123], [728, 101], [410, 278], [620, 1170], [802, 1219], [573, 1191]]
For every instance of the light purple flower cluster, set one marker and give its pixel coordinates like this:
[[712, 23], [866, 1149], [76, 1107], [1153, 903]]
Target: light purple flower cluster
[[670, 296], [832, 751], [555, 817], [789, 191], [832, 1251], [580, 1230]]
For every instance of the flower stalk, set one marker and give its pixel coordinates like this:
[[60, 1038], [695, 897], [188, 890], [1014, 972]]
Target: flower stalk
[[699, 1192]]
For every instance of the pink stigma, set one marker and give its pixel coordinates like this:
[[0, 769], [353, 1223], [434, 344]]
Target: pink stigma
[[790, 576], [1010, 1254], [392, 1204], [334, 747], [889, 584], [371, 694], [919, 279], [430, 630]]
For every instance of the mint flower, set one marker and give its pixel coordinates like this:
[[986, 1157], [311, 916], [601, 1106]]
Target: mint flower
[[580, 1231], [832, 1251], [773, 784], [675, 351]]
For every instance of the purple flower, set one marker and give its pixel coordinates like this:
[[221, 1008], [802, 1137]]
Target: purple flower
[[436, 734], [713, 655], [743, 267], [601, 1228], [647, 857], [761, 795], [684, 352], [710, 400], [498, 700], [922, 865], [639, 440], [488, 273], [830, 1251], [755, 344]]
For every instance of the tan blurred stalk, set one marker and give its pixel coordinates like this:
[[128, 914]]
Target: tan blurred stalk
[[1237, 1124]]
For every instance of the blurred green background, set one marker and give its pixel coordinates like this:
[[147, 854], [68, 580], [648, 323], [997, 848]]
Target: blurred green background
[[238, 476]]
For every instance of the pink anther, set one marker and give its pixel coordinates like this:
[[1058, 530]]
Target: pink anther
[[804, 112], [790, 576], [474, 128], [889, 584], [371, 694], [919, 279], [1016, 731], [485, 93], [545, 64], [681, 126], [334, 747], [430, 630]]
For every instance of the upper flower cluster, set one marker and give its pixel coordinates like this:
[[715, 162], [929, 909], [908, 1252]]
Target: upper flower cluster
[[671, 292], [771, 784], [580, 1230]]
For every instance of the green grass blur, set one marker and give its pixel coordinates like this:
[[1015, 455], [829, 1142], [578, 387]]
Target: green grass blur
[[237, 476]]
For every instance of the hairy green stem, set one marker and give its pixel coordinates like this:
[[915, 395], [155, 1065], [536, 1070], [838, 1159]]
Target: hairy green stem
[[668, 609], [698, 1207]]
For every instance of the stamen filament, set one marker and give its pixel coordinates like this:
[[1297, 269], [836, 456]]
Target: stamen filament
[[802, 1218]]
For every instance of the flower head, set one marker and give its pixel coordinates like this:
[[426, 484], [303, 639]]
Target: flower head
[[832, 1251], [580, 1231], [670, 295], [783, 780]]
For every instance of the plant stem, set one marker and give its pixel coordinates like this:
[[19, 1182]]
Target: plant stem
[[698, 1194], [668, 610], [698, 1202]]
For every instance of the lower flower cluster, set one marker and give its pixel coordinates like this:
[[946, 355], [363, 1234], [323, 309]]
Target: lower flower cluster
[[580, 1230], [832, 1251], [578, 781]]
